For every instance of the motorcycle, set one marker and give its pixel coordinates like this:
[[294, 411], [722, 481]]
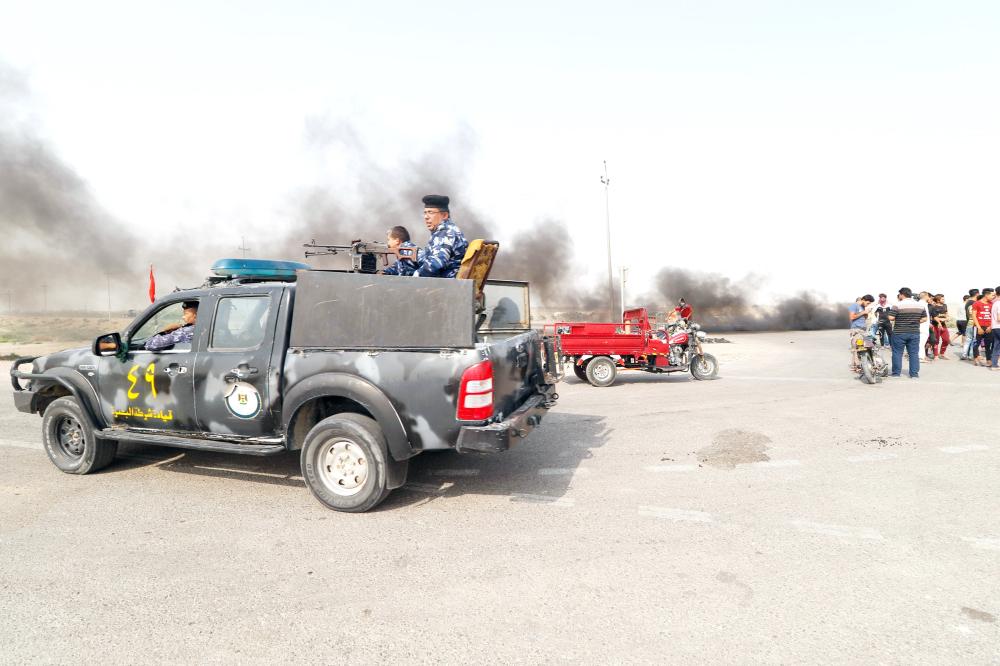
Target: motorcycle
[[685, 350], [868, 347]]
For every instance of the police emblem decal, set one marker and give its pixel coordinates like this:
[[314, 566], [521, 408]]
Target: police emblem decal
[[243, 400]]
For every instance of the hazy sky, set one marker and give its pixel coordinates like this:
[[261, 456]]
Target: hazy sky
[[837, 146]]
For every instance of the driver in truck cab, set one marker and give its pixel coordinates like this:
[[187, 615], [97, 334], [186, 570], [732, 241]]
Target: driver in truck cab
[[177, 333]]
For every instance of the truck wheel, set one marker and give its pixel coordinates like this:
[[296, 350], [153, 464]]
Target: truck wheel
[[704, 367], [581, 371], [601, 371], [70, 441], [344, 462]]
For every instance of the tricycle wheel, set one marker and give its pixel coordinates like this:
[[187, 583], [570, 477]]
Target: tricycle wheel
[[344, 463], [601, 371], [704, 366], [580, 370], [70, 440]]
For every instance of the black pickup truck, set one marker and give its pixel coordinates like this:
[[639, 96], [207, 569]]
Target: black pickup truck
[[360, 372]]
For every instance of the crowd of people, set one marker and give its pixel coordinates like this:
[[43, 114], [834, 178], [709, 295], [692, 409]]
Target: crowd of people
[[920, 325]]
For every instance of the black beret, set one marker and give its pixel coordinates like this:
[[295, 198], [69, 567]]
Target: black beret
[[190, 304], [438, 201]]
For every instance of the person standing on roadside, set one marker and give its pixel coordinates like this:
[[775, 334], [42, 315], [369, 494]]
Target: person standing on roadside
[[970, 328], [882, 307], [983, 313], [939, 322], [961, 319], [906, 315], [995, 323], [926, 329]]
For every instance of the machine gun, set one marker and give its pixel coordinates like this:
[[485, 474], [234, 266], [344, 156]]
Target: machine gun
[[364, 254]]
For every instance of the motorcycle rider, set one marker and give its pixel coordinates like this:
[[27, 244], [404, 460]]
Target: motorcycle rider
[[858, 313]]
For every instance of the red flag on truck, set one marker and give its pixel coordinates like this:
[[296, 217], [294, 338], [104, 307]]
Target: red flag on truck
[[152, 285]]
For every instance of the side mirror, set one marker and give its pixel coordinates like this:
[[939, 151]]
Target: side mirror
[[107, 345]]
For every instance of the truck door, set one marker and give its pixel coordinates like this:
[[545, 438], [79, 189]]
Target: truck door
[[147, 389], [231, 378]]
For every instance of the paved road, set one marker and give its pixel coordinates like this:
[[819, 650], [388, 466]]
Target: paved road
[[784, 513]]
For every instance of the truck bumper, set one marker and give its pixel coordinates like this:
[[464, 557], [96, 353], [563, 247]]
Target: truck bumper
[[24, 401], [498, 437], [24, 398]]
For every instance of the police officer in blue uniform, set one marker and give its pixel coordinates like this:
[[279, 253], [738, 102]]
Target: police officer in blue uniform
[[175, 334], [447, 245]]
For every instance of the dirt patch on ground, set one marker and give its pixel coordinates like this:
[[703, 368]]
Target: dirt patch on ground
[[735, 447]]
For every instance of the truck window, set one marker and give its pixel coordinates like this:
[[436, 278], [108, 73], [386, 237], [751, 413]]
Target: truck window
[[240, 321], [159, 320]]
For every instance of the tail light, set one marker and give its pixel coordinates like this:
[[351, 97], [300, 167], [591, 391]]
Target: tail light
[[475, 394]]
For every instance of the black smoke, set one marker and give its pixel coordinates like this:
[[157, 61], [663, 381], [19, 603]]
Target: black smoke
[[723, 304]]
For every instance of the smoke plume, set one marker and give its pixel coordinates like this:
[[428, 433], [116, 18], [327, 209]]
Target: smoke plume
[[722, 304]]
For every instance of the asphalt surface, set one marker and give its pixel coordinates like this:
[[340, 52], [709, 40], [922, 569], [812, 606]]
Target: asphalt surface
[[783, 513]]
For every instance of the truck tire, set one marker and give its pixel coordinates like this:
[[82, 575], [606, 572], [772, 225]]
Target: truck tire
[[704, 367], [70, 441], [601, 371], [581, 370], [344, 460]]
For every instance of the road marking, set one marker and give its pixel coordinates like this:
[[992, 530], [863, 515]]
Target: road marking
[[677, 515], [671, 468], [455, 472], [872, 457], [843, 531], [14, 444], [777, 463], [542, 499], [964, 449], [233, 470], [563, 471], [987, 543], [427, 488]]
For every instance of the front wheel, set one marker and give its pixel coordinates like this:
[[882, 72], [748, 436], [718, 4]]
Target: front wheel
[[344, 463], [70, 440], [704, 366], [601, 371], [868, 371]]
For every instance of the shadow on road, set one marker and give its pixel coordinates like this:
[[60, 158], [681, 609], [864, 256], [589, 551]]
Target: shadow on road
[[538, 470]]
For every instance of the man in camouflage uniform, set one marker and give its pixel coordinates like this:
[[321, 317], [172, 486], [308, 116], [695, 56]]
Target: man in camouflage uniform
[[447, 245], [398, 237]]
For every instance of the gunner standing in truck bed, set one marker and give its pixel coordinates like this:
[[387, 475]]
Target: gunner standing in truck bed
[[399, 237], [446, 248]]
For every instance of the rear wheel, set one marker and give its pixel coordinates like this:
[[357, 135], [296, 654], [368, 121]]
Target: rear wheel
[[601, 371], [580, 371], [344, 463], [704, 366], [70, 441]]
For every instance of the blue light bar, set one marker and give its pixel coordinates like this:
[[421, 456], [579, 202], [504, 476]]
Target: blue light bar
[[258, 268]]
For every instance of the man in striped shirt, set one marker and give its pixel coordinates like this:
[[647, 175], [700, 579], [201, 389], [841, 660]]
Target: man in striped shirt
[[906, 316]]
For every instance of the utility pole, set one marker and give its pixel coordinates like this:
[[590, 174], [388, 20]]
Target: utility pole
[[624, 272], [243, 246], [45, 298], [606, 180]]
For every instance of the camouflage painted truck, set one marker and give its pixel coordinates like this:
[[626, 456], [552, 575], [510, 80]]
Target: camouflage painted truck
[[359, 372]]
